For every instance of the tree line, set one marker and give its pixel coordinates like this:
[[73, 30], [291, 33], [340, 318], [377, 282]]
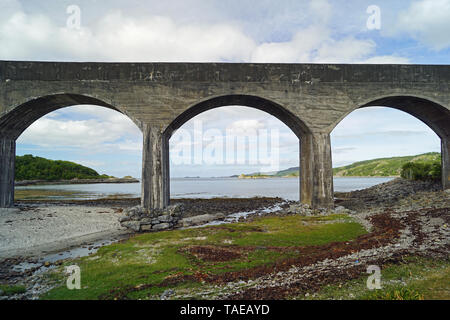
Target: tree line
[[29, 167]]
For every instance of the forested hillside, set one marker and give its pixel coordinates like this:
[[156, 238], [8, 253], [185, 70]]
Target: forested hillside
[[383, 167], [29, 167]]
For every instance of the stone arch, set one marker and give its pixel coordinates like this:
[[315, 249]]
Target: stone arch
[[156, 176], [16, 121], [431, 112], [284, 115]]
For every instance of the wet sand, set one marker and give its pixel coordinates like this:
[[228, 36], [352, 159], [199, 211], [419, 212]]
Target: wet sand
[[35, 229]]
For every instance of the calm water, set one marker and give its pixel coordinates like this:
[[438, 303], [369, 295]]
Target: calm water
[[287, 188]]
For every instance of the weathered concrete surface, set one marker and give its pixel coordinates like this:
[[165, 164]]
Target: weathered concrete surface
[[316, 174], [7, 162], [445, 152], [160, 97], [155, 169]]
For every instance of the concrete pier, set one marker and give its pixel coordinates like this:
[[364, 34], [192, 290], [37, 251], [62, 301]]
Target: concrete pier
[[7, 161], [316, 173], [445, 153], [155, 169]]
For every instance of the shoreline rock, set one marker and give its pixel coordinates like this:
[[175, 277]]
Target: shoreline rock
[[74, 181], [139, 219]]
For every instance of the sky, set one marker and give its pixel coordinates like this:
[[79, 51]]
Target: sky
[[291, 31]]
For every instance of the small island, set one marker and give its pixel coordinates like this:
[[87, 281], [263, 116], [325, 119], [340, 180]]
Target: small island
[[31, 170]]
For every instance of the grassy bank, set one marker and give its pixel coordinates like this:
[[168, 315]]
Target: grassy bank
[[382, 167], [148, 264], [416, 278]]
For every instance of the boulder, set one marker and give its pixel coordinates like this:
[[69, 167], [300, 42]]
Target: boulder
[[146, 227], [201, 219], [341, 209], [146, 220], [133, 225], [161, 226], [164, 218], [300, 208], [175, 210], [123, 218]]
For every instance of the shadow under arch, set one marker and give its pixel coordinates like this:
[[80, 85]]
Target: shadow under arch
[[16, 121], [288, 118], [432, 113]]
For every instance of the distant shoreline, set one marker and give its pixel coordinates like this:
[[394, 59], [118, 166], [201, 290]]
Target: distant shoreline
[[74, 181], [271, 177], [133, 180]]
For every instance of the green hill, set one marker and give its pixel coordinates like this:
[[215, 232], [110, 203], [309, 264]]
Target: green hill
[[29, 167], [382, 167]]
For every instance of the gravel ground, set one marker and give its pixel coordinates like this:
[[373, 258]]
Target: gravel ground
[[37, 228], [415, 221], [403, 218]]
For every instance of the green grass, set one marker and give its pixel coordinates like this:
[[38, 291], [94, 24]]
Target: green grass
[[382, 167], [6, 290], [133, 269], [416, 278]]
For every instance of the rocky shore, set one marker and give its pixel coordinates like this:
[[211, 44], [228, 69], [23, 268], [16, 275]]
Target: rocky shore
[[402, 217], [74, 181], [395, 193]]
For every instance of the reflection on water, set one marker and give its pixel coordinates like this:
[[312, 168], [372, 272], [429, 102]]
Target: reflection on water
[[287, 188]]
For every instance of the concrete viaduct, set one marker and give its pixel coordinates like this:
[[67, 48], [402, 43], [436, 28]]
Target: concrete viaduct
[[311, 99]]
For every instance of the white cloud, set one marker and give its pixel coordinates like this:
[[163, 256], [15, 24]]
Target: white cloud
[[119, 37], [427, 21], [247, 126], [376, 132], [321, 10], [388, 59], [89, 163], [345, 50], [301, 48], [106, 130]]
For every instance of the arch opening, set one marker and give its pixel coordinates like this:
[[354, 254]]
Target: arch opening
[[296, 125], [419, 125], [16, 121], [272, 108], [14, 125], [434, 115], [227, 151]]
